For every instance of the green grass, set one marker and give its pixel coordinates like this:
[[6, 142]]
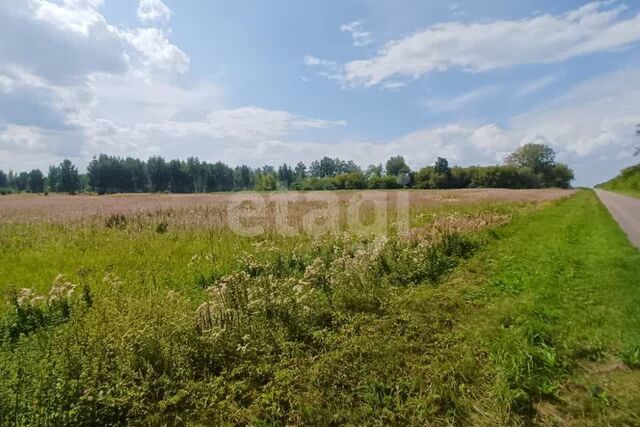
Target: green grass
[[632, 193], [500, 327], [562, 297]]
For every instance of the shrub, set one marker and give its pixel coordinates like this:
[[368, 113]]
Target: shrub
[[31, 312], [118, 221]]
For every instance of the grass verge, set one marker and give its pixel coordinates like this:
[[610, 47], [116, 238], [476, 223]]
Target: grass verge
[[630, 193], [560, 325]]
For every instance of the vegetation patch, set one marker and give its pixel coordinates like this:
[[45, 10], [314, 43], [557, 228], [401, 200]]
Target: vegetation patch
[[483, 314], [628, 182]]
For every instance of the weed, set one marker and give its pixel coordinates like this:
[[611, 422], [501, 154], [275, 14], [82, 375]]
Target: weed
[[631, 357]]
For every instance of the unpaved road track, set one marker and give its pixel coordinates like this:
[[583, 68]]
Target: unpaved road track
[[625, 210]]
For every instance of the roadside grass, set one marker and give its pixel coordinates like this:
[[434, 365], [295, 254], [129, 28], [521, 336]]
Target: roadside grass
[[531, 322], [631, 193], [562, 293]]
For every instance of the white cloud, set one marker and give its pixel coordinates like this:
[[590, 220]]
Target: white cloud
[[132, 99], [66, 42], [153, 11], [15, 137], [312, 61], [535, 86], [359, 36], [245, 124], [597, 116], [442, 105], [59, 43], [477, 47], [74, 85], [392, 85], [32, 145], [331, 69], [156, 50]]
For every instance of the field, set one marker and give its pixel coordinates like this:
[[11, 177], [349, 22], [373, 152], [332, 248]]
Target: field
[[484, 307]]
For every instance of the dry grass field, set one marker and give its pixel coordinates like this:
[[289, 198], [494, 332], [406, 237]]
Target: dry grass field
[[64, 208]]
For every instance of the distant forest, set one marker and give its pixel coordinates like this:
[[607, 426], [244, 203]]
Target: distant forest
[[530, 166]]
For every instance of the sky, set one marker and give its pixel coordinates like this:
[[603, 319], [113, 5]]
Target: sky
[[281, 81]]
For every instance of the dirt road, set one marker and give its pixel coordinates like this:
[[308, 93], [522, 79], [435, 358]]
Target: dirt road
[[625, 210]]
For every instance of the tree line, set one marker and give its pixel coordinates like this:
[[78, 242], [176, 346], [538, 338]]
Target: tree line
[[530, 166]]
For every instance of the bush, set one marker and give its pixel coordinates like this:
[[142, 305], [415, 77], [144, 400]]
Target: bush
[[31, 312], [118, 221]]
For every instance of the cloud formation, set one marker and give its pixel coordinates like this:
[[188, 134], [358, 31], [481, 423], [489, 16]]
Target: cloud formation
[[359, 36], [477, 47], [153, 11], [74, 85], [535, 86], [443, 105]]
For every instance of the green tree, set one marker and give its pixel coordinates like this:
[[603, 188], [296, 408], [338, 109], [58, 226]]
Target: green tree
[[11, 179], [350, 181], [137, 175], [64, 178], [22, 181], [104, 174], [396, 166], [442, 166], [198, 172], [36, 181], [69, 177], [561, 176], [53, 177], [267, 182], [180, 179], [3, 179], [242, 177], [323, 168], [286, 176], [537, 157], [300, 172], [423, 178], [159, 174], [221, 177], [374, 171]]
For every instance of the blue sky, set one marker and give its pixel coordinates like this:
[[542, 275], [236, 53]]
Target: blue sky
[[259, 82]]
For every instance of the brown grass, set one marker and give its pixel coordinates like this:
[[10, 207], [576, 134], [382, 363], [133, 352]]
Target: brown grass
[[211, 209]]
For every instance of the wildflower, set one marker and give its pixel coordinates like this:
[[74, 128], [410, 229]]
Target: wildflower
[[204, 316], [25, 296], [112, 280], [61, 289]]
